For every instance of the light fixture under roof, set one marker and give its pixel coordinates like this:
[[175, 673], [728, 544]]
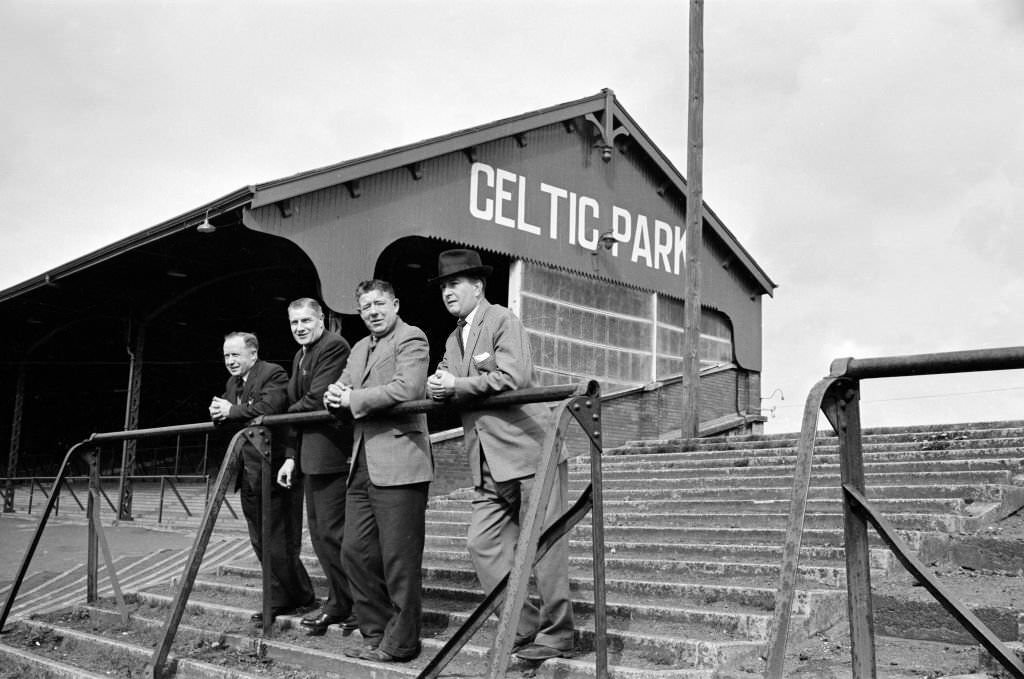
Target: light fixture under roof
[[206, 226]]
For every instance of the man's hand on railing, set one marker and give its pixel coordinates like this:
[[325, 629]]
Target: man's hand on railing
[[441, 385], [284, 474], [219, 409], [337, 396]]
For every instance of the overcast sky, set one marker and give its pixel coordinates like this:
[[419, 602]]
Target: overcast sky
[[868, 154]]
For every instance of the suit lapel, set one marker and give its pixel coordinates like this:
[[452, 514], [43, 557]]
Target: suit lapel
[[474, 335], [304, 366], [383, 345], [359, 362], [243, 395], [295, 386]]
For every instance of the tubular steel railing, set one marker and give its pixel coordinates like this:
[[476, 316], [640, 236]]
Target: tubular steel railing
[[838, 396], [581, 403], [166, 481]]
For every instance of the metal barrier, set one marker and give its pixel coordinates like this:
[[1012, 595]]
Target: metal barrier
[[166, 481], [838, 396], [579, 402]]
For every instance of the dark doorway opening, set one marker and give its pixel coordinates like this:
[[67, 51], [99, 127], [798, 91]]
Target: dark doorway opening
[[408, 264]]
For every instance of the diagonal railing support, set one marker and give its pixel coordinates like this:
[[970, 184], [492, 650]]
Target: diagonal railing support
[[227, 475], [97, 538], [838, 396], [585, 410], [583, 405], [496, 597], [794, 534], [51, 500]]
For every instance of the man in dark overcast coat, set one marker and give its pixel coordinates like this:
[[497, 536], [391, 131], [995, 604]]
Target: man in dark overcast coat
[[320, 454], [258, 388]]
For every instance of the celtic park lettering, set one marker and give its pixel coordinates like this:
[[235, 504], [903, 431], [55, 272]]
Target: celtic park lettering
[[500, 196]]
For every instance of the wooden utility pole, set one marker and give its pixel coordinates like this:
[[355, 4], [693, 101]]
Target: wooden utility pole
[[694, 224]]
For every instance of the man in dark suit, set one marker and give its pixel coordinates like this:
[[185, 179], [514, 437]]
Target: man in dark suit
[[320, 454], [259, 388], [391, 471], [489, 353]]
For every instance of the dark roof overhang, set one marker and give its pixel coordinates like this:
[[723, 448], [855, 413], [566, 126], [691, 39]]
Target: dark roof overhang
[[214, 210]]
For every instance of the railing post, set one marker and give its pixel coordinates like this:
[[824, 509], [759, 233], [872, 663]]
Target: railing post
[[788, 575], [206, 451], [23, 568], [842, 407], [160, 506], [260, 438], [531, 520], [225, 477], [592, 427], [92, 544]]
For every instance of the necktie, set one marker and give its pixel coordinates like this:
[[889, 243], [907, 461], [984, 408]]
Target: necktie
[[239, 386], [458, 335]]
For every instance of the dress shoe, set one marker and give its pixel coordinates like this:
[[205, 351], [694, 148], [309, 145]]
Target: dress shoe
[[278, 611], [378, 655], [349, 626], [540, 652], [520, 643], [317, 625], [320, 620], [358, 651], [257, 617]]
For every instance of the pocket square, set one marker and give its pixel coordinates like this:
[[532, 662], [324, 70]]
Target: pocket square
[[485, 362]]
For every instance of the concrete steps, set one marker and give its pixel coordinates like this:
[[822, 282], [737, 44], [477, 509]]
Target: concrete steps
[[694, 531]]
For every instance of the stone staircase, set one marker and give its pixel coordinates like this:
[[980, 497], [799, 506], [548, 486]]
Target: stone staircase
[[694, 534]]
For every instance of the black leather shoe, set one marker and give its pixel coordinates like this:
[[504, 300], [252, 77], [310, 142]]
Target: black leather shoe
[[278, 611], [358, 651], [520, 643], [317, 624], [540, 653], [321, 620], [349, 626]]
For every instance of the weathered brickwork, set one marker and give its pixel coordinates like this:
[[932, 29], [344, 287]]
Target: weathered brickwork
[[451, 469]]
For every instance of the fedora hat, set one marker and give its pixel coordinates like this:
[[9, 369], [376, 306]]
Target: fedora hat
[[452, 263]]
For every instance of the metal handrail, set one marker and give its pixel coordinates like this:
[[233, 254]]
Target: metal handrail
[[164, 479], [258, 434], [51, 500], [581, 402], [838, 396]]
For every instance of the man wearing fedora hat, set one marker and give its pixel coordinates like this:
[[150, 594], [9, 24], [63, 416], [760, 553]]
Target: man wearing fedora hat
[[489, 353]]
